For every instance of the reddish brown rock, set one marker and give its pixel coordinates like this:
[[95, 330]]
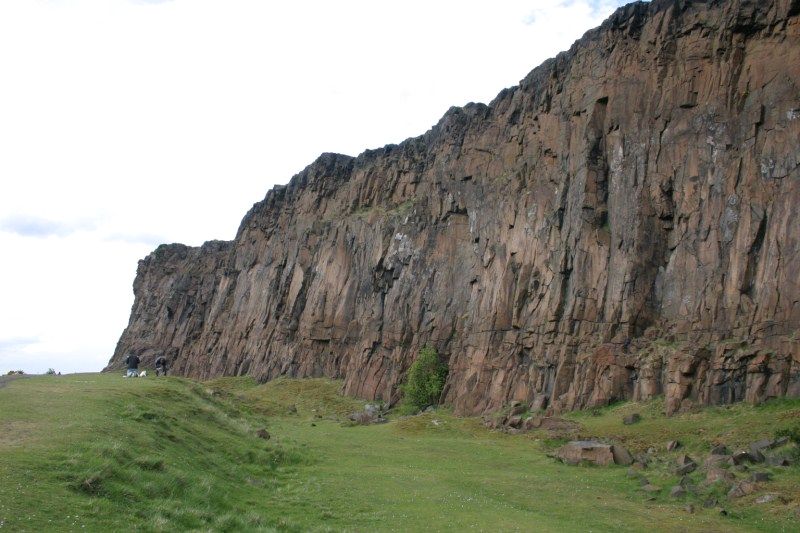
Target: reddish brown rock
[[576, 452], [622, 224]]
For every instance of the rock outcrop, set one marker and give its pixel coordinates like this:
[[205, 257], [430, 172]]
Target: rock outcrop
[[623, 224]]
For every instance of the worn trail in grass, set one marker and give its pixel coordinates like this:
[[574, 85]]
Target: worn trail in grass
[[96, 452]]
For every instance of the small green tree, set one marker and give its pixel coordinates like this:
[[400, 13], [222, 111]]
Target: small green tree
[[424, 382]]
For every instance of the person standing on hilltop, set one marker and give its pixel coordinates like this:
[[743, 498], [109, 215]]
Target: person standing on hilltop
[[161, 366], [133, 365]]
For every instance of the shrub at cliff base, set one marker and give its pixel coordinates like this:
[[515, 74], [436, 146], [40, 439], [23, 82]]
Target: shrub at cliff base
[[424, 383]]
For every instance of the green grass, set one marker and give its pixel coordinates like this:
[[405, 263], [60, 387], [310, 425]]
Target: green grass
[[171, 455]]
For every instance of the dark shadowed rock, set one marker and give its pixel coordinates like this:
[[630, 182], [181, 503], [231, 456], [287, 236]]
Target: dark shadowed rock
[[760, 477], [742, 457], [684, 469], [720, 449], [263, 434]]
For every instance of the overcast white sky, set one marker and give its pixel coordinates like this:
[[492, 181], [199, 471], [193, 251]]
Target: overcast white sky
[[129, 123]]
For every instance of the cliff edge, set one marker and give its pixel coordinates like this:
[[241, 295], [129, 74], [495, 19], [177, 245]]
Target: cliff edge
[[623, 224]]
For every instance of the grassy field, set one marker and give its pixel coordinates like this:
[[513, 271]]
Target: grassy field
[[98, 453]]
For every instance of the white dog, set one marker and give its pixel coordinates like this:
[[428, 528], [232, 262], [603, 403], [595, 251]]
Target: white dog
[[143, 374]]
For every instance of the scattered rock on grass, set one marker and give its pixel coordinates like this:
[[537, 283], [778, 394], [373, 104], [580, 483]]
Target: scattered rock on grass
[[769, 498], [781, 441], [742, 488], [689, 508], [761, 445], [710, 502], [742, 457], [677, 491], [716, 474], [778, 460], [759, 477], [621, 455], [631, 419], [586, 450], [719, 449], [651, 489], [366, 417], [717, 461], [673, 445], [263, 434]]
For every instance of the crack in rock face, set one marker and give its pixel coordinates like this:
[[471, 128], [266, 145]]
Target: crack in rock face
[[622, 224]]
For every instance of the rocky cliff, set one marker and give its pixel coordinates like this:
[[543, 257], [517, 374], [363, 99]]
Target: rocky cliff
[[623, 224]]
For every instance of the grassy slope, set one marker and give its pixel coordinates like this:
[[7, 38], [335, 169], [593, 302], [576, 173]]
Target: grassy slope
[[107, 453]]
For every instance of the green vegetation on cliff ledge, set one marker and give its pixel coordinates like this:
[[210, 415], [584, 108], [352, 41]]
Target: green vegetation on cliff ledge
[[100, 453]]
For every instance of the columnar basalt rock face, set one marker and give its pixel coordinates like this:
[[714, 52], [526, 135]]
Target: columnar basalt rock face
[[623, 224]]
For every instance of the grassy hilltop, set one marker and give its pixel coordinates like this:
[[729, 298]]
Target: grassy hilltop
[[97, 452]]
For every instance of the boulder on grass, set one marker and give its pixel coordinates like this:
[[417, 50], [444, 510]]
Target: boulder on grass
[[769, 498], [720, 449], [677, 491], [717, 461], [742, 457], [576, 451], [621, 455], [631, 419], [716, 474], [761, 445], [778, 460], [673, 445], [742, 488]]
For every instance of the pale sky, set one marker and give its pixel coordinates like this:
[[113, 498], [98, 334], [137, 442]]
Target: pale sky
[[129, 123]]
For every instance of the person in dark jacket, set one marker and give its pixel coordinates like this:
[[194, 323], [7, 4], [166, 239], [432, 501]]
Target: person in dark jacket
[[161, 366], [133, 365]]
